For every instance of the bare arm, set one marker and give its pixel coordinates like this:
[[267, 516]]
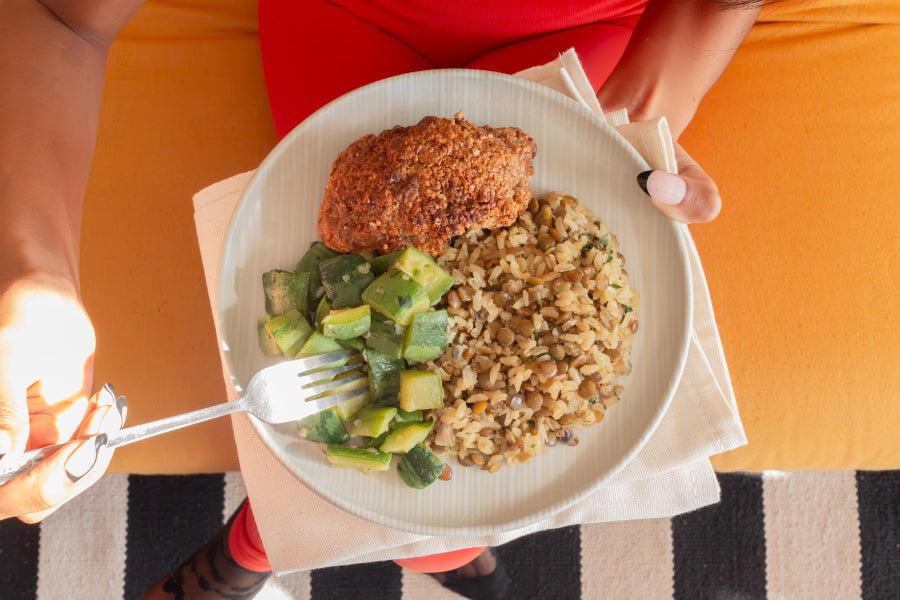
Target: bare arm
[[677, 52], [679, 49], [52, 59]]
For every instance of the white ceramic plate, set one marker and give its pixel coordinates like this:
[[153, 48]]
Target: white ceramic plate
[[577, 153]]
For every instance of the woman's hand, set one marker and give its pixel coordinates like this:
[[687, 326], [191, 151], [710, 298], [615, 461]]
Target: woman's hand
[[677, 52], [46, 367], [689, 197]]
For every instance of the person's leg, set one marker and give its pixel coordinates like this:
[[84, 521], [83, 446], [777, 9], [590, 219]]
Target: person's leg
[[445, 561], [599, 47], [475, 573]]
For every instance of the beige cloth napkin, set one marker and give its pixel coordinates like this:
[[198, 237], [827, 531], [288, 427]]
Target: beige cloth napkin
[[672, 474]]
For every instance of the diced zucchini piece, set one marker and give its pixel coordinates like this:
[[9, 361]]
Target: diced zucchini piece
[[322, 311], [426, 336], [345, 277], [420, 467], [382, 263], [346, 323], [372, 421], [321, 344], [266, 341], [396, 295], [285, 290], [325, 427], [420, 390], [347, 457], [404, 417], [356, 343], [374, 442], [384, 377], [318, 344], [290, 331], [317, 253], [347, 410], [386, 335], [402, 439], [310, 264], [426, 271]]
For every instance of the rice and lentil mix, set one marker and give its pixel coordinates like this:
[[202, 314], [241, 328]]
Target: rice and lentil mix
[[543, 319]]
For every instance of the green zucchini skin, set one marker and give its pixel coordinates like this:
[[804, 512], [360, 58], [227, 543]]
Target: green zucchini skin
[[347, 323], [401, 439], [324, 427], [322, 311], [266, 342], [384, 377], [348, 457], [345, 277], [372, 421], [396, 295], [426, 271], [386, 335], [290, 331], [285, 290], [356, 343], [420, 467], [310, 262], [382, 263], [426, 336]]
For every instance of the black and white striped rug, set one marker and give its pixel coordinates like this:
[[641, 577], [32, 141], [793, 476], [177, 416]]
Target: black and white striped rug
[[781, 536]]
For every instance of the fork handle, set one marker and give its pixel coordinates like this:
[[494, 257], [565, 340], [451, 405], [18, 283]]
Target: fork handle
[[137, 433], [25, 461]]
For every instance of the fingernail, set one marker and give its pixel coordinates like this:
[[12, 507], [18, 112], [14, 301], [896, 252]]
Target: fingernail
[[107, 396], [642, 180], [664, 188], [82, 460], [110, 420], [122, 408]]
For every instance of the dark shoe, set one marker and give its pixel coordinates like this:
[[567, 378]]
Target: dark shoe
[[491, 586]]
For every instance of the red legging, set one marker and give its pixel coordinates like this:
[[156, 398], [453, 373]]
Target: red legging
[[316, 50]]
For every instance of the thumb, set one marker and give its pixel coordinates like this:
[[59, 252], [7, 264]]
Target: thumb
[[689, 197], [13, 415]]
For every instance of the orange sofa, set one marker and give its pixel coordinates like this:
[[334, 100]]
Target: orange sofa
[[802, 135]]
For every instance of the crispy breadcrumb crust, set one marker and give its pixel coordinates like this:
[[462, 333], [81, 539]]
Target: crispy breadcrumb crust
[[422, 185]]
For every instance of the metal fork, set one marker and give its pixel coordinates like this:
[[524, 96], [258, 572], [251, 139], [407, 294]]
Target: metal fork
[[285, 392]]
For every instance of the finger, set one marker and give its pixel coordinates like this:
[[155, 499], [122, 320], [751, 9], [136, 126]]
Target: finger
[[108, 415], [57, 423], [689, 197], [13, 413], [43, 431], [67, 472]]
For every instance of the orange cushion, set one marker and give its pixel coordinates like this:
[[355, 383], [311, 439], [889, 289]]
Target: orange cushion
[[184, 106], [800, 134]]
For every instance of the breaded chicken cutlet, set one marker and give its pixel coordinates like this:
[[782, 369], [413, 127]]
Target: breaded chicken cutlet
[[423, 184]]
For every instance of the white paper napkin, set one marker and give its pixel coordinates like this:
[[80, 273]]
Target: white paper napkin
[[671, 475]]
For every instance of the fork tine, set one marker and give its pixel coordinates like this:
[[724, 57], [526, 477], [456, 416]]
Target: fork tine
[[326, 402], [308, 363], [309, 378], [315, 390]]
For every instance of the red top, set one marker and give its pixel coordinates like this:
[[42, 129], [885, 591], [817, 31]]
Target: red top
[[450, 33], [314, 51]]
